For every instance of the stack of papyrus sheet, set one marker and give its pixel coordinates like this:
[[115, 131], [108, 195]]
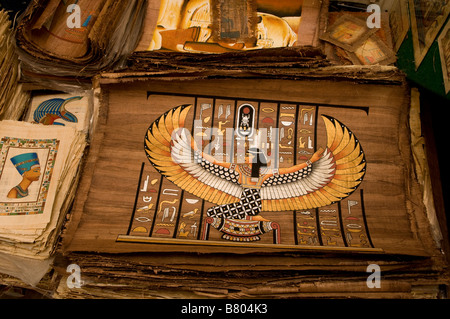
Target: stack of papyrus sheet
[[13, 99], [63, 40]]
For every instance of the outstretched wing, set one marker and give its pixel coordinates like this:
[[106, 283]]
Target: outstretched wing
[[168, 148], [333, 177]]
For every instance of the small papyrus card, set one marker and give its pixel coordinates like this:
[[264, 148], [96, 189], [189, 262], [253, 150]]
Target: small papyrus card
[[348, 33]]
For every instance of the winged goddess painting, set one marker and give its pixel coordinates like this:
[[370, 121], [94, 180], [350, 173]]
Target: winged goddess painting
[[242, 191]]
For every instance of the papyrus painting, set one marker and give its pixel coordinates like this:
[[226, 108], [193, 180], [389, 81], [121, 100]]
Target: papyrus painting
[[223, 170], [215, 26], [26, 172]]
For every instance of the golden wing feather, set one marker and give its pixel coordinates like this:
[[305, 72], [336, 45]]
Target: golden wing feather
[[335, 176], [160, 140]]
